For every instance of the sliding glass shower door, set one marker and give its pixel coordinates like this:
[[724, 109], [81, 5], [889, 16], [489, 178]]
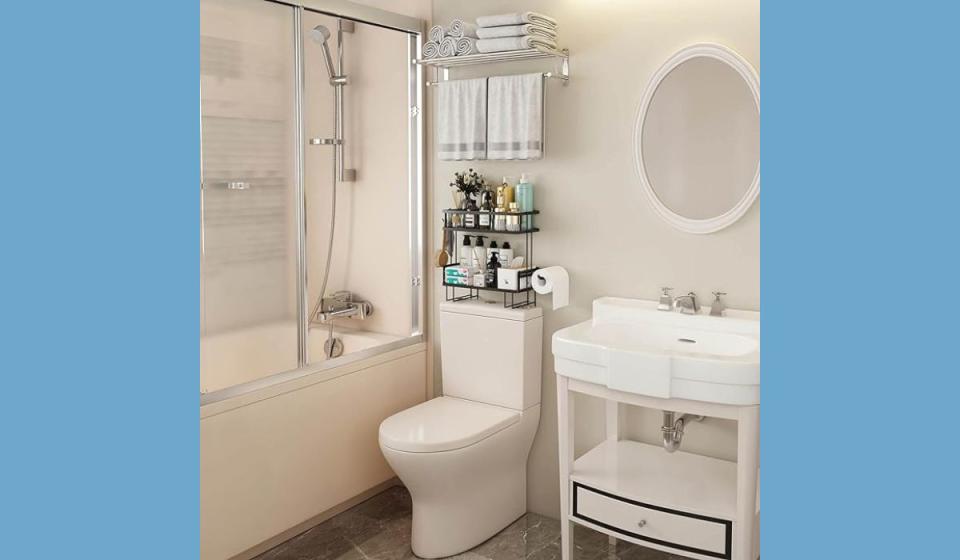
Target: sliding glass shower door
[[282, 233], [249, 268]]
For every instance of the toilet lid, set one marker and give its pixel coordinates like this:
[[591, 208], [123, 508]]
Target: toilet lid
[[444, 424]]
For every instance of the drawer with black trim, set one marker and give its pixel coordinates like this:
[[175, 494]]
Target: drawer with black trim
[[682, 531]]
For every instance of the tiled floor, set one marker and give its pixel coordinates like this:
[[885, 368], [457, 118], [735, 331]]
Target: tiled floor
[[379, 529]]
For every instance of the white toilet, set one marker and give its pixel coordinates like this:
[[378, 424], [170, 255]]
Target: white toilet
[[463, 456]]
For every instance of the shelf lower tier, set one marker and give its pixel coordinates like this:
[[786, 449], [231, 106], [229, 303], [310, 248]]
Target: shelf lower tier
[[647, 473], [485, 289]]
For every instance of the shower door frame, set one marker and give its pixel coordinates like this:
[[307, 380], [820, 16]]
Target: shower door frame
[[415, 29]]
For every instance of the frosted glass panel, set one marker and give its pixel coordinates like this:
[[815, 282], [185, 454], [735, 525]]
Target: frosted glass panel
[[248, 124]]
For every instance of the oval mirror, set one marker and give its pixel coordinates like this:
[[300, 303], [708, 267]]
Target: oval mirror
[[697, 139]]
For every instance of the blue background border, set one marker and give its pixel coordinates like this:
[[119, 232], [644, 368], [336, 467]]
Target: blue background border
[[100, 326], [859, 273]]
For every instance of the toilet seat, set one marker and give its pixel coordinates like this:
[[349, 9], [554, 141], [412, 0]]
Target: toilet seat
[[444, 424]]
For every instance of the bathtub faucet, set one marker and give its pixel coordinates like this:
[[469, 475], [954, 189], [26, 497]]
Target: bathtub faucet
[[342, 305]]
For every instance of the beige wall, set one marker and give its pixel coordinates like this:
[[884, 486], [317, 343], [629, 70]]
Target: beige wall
[[595, 221]]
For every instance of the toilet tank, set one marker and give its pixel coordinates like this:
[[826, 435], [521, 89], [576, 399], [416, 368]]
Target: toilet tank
[[491, 354]]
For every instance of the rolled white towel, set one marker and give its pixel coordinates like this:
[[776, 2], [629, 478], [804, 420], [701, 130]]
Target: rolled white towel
[[466, 45], [516, 31], [459, 28], [448, 47], [514, 44], [431, 49], [518, 18], [436, 34]]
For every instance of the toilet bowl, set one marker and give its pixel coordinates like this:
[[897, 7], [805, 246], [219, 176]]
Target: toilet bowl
[[464, 464], [463, 456]]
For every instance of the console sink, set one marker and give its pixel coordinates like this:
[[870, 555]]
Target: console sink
[[631, 346]]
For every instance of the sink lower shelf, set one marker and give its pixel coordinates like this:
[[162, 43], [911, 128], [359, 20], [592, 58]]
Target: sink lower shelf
[[647, 473]]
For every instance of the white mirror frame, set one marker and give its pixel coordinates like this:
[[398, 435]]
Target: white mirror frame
[[749, 75]]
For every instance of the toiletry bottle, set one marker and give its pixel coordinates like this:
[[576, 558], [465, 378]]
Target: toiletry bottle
[[483, 220], [491, 274], [493, 250], [513, 222], [508, 193], [479, 253], [470, 220], [466, 252], [500, 220], [525, 194], [525, 200], [505, 255]]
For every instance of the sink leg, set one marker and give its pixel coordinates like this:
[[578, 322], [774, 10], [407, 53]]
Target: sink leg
[[748, 463], [565, 444]]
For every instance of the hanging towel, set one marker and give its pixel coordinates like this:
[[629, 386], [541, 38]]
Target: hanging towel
[[459, 28], [436, 34], [515, 117], [431, 49], [466, 45], [516, 31], [513, 44], [519, 18], [462, 119], [448, 47]]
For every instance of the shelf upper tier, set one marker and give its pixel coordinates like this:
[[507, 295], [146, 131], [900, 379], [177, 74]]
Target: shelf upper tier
[[455, 211], [487, 230], [488, 58]]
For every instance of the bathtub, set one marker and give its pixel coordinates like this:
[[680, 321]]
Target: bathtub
[[280, 453], [234, 359]]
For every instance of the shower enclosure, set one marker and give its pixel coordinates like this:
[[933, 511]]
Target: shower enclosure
[[311, 189]]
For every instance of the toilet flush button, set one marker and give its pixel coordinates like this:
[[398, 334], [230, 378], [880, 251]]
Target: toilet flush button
[[642, 523]]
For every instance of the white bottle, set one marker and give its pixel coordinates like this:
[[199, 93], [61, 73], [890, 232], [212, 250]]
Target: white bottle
[[506, 254]]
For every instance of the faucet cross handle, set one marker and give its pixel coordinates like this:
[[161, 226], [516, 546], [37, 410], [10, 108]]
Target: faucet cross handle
[[666, 300], [718, 306]]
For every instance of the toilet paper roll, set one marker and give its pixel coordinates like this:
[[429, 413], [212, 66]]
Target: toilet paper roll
[[553, 280]]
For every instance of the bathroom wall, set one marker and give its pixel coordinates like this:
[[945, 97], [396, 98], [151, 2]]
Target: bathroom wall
[[595, 221]]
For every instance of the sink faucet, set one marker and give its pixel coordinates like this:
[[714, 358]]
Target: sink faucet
[[687, 303], [666, 300], [342, 305], [718, 307]]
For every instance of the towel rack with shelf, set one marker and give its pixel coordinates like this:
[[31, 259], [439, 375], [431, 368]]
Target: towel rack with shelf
[[442, 65]]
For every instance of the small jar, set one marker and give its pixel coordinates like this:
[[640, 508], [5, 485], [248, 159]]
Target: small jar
[[500, 220], [513, 222]]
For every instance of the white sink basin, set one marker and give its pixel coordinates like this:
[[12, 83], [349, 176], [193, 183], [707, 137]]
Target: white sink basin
[[631, 346]]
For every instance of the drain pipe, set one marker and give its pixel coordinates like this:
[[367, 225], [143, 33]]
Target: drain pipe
[[672, 429]]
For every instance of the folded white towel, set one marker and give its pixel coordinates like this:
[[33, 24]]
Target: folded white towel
[[459, 28], [518, 18], [515, 117], [436, 34], [431, 49], [516, 31], [512, 44], [448, 47], [466, 45], [462, 119]]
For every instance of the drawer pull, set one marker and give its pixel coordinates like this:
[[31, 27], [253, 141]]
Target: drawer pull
[[642, 524]]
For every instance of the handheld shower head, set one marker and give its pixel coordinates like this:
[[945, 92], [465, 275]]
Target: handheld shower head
[[321, 34]]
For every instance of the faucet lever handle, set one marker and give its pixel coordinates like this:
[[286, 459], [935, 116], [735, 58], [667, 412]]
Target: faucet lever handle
[[718, 294]]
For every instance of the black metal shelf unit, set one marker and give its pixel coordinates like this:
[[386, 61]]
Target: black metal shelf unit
[[454, 223]]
